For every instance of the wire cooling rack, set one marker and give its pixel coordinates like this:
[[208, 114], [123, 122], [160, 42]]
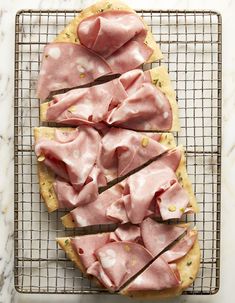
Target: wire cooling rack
[[191, 44]]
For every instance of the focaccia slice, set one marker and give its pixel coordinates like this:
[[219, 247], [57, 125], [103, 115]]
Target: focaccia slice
[[69, 34], [47, 176], [161, 79], [187, 266]]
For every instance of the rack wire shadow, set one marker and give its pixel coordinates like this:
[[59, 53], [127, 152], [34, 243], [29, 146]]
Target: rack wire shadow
[[191, 44]]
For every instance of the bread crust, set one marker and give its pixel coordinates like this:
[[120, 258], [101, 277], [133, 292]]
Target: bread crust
[[69, 34], [161, 79], [188, 267], [47, 177]]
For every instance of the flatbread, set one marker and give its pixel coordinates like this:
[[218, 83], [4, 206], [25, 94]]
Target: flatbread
[[188, 267], [69, 34], [161, 79], [46, 175]]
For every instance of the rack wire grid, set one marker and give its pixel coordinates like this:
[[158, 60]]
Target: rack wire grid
[[191, 44]]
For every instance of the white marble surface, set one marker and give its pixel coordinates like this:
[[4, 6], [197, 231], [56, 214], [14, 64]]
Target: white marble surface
[[7, 13]]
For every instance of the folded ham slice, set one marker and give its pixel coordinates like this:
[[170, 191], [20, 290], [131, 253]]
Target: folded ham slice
[[157, 276], [123, 151], [131, 101], [73, 157], [114, 257], [117, 36], [67, 65], [151, 191]]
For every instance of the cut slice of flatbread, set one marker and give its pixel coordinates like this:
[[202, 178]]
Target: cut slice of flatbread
[[188, 267], [183, 178], [160, 78], [46, 175], [69, 34]]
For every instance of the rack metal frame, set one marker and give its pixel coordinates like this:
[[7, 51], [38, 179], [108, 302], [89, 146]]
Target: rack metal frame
[[191, 44]]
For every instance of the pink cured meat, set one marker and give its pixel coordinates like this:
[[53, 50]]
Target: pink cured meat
[[181, 248], [94, 213], [85, 105], [107, 32], [175, 197], [156, 236], [114, 257], [128, 232], [73, 158], [146, 109], [130, 56], [131, 101], [158, 276], [124, 150], [158, 178], [141, 188], [85, 246], [118, 37], [68, 197], [67, 65], [121, 260], [78, 155]]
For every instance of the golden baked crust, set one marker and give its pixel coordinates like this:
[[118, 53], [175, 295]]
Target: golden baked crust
[[185, 182], [188, 267], [45, 175], [69, 34]]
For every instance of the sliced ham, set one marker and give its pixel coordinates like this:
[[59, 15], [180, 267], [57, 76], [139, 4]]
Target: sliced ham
[[128, 232], [117, 36], [131, 101], [157, 236], [68, 197], [146, 109], [124, 150], [181, 248], [79, 155], [115, 257], [86, 246], [67, 65], [141, 188], [121, 260], [155, 184], [132, 55], [173, 202], [95, 212], [85, 105], [158, 276], [107, 32]]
